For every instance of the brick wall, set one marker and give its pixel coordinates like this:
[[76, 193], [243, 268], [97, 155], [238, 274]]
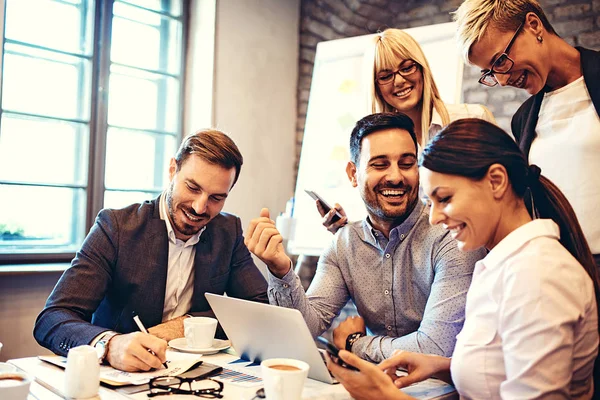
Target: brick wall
[[577, 21]]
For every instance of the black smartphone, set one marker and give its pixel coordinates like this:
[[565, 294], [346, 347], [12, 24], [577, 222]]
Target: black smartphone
[[202, 370], [334, 353], [325, 205]]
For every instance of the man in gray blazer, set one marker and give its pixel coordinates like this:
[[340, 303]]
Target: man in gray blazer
[[157, 259]]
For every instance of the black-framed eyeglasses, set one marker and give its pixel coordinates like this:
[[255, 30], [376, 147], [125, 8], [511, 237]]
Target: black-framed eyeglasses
[[387, 77], [502, 65], [166, 385]]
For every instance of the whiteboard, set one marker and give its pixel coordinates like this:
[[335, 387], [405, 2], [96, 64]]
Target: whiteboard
[[335, 103]]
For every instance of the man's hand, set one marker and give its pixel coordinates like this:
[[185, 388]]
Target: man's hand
[[346, 328], [327, 217], [131, 352], [419, 367], [264, 241], [169, 330], [370, 382]]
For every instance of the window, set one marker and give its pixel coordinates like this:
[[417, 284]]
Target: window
[[90, 115]]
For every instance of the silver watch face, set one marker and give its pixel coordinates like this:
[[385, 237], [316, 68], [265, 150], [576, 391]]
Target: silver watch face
[[100, 349]]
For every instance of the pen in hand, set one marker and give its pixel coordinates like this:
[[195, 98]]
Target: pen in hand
[[142, 328]]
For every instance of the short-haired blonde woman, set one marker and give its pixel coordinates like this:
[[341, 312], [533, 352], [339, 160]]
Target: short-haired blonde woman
[[399, 79], [558, 128]]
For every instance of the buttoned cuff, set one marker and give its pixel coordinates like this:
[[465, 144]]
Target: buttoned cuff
[[282, 283]]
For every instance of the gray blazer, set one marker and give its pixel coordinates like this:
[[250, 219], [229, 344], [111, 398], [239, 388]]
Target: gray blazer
[[122, 267]]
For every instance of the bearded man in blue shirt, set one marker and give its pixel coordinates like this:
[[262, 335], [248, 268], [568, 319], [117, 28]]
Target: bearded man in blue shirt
[[407, 278]]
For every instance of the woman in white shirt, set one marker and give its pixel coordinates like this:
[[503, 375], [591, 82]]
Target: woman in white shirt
[[531, 324], [398, 79]]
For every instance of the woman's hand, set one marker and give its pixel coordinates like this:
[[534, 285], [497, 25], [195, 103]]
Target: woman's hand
[[419, 367], [328, 217], [368, 383]]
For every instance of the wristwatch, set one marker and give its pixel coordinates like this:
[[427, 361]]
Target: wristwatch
[[101, 345], [352, 338]]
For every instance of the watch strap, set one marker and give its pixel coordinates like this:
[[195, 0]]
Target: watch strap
[[352, 338]]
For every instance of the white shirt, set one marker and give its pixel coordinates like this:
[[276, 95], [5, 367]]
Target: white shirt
[[180, 271], [459, 111], [531, 327], [567, 149]]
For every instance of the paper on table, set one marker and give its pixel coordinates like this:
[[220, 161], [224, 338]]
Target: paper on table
[[115, 377]]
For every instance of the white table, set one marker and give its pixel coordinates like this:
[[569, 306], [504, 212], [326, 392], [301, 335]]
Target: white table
[[49, 384]]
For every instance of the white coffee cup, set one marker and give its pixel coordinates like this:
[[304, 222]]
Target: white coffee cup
[[5, 367], [284, 378], [200, 332], [14, 385], [82, 375]]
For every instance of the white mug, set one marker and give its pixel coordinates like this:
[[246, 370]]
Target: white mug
[[200, 332], [82, 376], [14, 385], [284, 378]]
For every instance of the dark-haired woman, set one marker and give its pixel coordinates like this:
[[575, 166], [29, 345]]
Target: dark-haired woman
[[531, 325]]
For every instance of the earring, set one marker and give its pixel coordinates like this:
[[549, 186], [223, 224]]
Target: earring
[[539, 39]]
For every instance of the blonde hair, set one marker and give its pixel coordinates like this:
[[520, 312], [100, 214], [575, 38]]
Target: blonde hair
[[473, 17], [388, 49]]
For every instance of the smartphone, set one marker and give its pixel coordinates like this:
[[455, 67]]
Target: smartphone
[[325, 205], [334, 353], [202, 370]]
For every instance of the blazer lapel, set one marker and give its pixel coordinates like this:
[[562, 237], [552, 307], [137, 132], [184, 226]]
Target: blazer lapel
[[157, 254]]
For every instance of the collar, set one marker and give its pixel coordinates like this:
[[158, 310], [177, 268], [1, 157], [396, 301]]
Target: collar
[[370, 234], [520, 237], [436, 123], [170, 232]]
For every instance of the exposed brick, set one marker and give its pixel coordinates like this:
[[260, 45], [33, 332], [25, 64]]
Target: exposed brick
[[504, 123], [371, 12], [306, 69], [590, 40], [302, 107], [420, 22], [572, 10], [596, 5], [308, 40], [422, 12], [303, 95], [304, 82], [307, 54], [573, 27], [340, 26], [502, 94], [509, 107], [353, 4], [319, 29], [450, 5], [476, 97]]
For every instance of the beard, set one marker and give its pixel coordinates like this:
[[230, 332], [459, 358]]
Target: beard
[[178, 224], [379, 208]]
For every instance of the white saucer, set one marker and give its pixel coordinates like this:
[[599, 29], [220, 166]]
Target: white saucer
[[181, 345]]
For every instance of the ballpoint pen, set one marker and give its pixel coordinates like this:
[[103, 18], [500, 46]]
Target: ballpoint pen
[[139, 324]]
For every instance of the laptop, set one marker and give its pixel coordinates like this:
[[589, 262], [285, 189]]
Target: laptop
[[259, 331]]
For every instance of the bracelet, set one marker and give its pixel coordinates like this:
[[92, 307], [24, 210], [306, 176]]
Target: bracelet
[[352, 338]]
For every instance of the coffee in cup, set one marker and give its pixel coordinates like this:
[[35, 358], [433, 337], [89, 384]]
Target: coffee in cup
[[200, 332], [284, 378], [284, 367], [14, 385]]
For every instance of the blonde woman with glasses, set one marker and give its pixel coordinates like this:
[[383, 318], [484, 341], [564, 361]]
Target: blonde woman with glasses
[[558, 128], [399, 79]]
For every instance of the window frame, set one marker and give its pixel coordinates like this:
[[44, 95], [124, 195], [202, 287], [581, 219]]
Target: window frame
[[98, 125]]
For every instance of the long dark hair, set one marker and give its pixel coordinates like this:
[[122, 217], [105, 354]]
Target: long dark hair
[[468, 147]]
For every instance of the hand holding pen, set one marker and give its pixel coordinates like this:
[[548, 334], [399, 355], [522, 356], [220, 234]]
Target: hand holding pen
[[143, 329]]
